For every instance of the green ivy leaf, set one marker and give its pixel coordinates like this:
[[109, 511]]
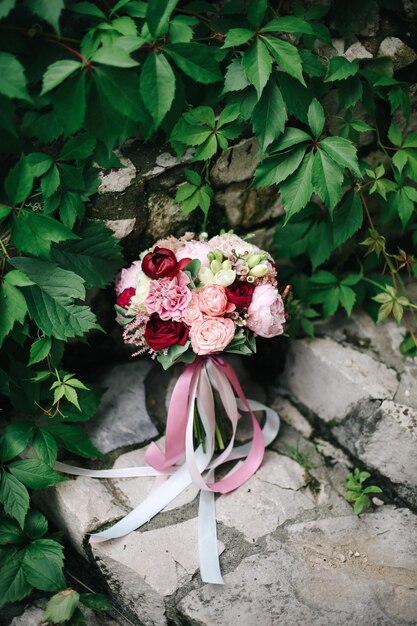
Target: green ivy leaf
[[315, 116], [296, 190], [327, 179], [347, 219], [235, 79], [48, 11], [34, 473], [69, 102], [196, 60], [34, 233], [10, 532], [157, 16], [114, 56], [57, 73], [237, 36], [157, 86], [50, 299], [61, 606], [40, 349], [12, 308], [256, 10], [79, 147], [42, 565], [95, 601], [75, 440], [45, 446], [277, 168], [343, 152], [13, 584], [36, 524], [15, 499], [12, 77], [19, 181], [269, 115], [16, 437], [340, 69], [257, 65], [288, 24], [287, 57], [95, 255]]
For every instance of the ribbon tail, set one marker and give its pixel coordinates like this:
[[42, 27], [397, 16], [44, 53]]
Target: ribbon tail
[[207, 537]]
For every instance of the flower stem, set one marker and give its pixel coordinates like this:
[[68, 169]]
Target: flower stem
[[219, 437]]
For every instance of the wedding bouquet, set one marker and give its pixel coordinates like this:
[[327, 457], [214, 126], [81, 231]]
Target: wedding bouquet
[[191, 297], [191, 300]]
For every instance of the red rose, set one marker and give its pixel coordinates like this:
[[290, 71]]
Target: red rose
[[240, 294], [160, 263], [160, 334], [125, 297]]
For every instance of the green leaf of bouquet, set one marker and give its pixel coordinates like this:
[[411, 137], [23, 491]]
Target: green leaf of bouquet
[[19, 181], [343, 152], [45, 446], [34, 233], [48, 11], [42, 565], [340, 69], [12, 308], [35, 474], [327, 179], [95, 256], [36, 524], [269, 115], [257, 64], [348, 218], [296, 190], [316, 118], [158, 14], [287, 57], [57, 73], [15, 499], [237, 37], [16, 437], [13, 583], [157, 86], [276, 168], [61, 606], [12, 77], [288, 24]]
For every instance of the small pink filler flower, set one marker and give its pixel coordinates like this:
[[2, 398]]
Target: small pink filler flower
[[211, 334]]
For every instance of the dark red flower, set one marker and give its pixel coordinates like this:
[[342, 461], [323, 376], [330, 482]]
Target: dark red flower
[[125, 297], [160, 263], [160, 334], [240, 294]]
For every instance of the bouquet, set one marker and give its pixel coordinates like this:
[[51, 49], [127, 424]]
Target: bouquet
[[191, 297], [191, 300]]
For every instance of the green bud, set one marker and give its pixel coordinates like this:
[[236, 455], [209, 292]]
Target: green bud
[[258, 271], [211, 256], [215, 266], [218, 255], [226, 265], [253, 259]]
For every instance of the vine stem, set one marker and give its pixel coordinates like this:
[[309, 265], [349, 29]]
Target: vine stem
[[50, 36], [75, 52]]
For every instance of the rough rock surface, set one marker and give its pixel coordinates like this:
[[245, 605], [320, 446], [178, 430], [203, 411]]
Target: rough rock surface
[[292, 551]]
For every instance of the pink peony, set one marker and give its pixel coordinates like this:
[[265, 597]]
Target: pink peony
[[213, 301], [195, 250], [168, 297], [127, 277], [211, 334], [266, 312], [192, 313]]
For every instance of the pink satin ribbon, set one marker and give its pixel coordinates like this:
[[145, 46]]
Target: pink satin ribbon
[[179, 410]]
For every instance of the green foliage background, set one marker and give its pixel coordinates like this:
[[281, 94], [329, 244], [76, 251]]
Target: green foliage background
[[77, 79]]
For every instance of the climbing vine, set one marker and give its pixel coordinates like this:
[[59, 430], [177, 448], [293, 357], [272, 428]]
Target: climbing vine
[[78, 79]]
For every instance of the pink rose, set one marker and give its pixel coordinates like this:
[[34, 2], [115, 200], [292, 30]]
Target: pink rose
[[266, 315], [168, 297], [195, 250], [211, 334], [213, 300], [127, 277], [192, 313]]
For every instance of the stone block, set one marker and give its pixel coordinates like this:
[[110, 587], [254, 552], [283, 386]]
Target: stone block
[[330, 379], [236, 164], [401, 54], [122, 418]]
